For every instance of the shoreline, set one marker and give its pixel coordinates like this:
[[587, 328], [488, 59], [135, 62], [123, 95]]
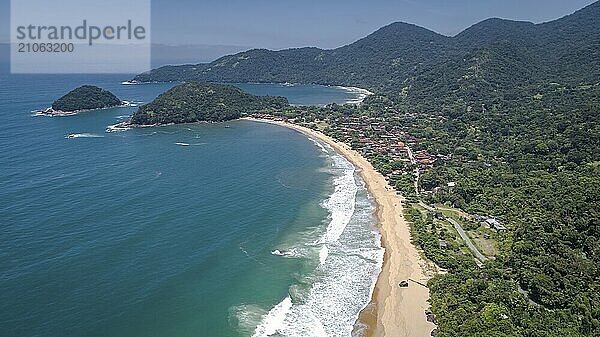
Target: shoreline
[[393, 311], [59, 113], [361, 93]]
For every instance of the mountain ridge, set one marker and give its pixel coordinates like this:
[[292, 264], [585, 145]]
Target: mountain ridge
[[400, 52], [508, 112]]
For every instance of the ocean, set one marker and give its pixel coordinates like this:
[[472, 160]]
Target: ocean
[[251, 229]]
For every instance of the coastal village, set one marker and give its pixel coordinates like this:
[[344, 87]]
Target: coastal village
[[301, 169], [384, 140], [389, 147], [376, 136]]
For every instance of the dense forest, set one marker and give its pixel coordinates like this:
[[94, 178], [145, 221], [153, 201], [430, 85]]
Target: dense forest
[[87, 97], [513, 108], [535, 164], [415, 65], [203, 102]]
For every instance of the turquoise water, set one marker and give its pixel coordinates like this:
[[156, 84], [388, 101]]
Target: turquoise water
[[252, 229], [306, 94]]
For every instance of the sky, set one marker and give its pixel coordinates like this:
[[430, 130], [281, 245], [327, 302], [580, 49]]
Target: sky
[[279, 24]]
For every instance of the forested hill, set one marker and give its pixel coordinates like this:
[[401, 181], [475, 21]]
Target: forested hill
[[86, 97], [492, 53], [203, 102], [391, 51], [504, 60], [510, 113]]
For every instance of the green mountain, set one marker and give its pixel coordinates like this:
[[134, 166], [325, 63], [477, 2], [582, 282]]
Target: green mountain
[[503, 59], [404, 55], [512, 111], [196, 102], [390, 51], [87, 97]]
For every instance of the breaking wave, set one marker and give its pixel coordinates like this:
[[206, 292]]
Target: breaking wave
[[347, 256]]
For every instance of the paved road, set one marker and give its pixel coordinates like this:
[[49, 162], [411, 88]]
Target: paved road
[[460, 231], [427, 207], [464, 236]]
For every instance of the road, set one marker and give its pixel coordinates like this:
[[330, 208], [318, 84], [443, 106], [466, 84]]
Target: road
[[456, 225], [455, 210], [460, 231], [427, 207], [464, 236]]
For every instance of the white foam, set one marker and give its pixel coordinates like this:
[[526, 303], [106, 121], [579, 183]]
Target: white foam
[[277, 252], [360, 93], [328, 300], [245, 316], [341, 203], [274, 321], [323, 253], [37, 113], [83, 135], [117, 128], [294, 252], [318, 143]]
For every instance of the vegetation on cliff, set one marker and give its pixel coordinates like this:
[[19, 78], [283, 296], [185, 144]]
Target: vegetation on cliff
[[87, 97], [511, 109], [203, 102]]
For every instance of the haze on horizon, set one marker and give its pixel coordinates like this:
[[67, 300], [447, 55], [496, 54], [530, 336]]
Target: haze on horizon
[[216, 28], [330, 24]]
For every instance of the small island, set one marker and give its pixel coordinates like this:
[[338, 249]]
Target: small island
[[84, 98], [193, 102]]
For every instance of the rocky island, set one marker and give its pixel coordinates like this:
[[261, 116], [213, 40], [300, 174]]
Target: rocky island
[[203, 102], [84, 98]]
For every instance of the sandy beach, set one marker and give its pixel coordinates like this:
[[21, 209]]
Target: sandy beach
[[393, 311]]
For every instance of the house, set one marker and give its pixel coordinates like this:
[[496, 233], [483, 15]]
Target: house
[[495, 224], [443, 244]]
